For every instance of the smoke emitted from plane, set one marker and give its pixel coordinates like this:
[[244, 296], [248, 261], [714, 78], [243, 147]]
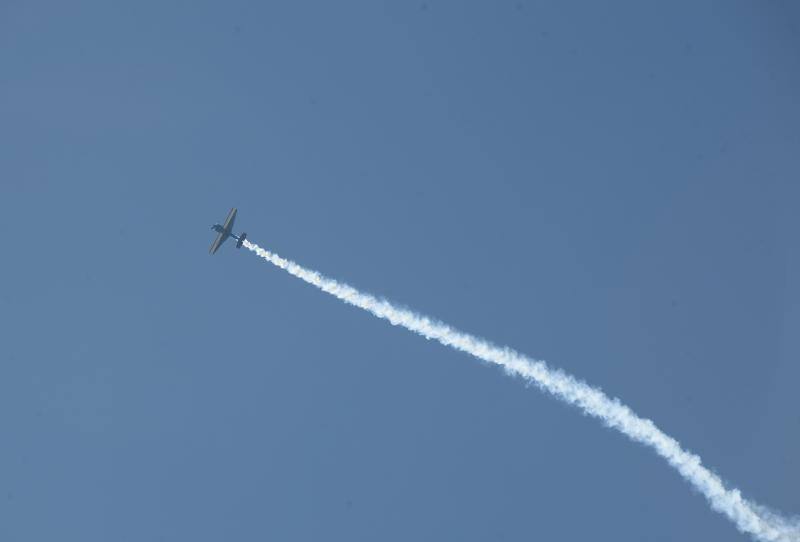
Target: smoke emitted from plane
[[746, 515]]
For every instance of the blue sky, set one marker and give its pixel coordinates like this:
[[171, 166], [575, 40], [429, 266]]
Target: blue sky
[[610, 188]]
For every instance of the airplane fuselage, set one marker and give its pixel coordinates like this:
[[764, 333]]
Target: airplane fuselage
[[225, 232]]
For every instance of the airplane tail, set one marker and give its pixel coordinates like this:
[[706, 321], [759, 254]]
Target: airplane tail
[[241, 239]]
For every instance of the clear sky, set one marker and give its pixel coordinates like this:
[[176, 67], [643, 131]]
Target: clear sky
[[610, 187]]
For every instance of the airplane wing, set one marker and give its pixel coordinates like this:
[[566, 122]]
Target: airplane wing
[[217, 242], [228, 225]]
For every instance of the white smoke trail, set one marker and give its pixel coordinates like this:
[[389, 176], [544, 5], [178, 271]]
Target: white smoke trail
[[746, 515]]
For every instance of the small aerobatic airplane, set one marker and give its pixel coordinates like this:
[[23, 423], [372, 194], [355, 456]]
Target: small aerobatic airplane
[[226, 230]]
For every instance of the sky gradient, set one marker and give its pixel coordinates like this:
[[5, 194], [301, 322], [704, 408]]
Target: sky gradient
[[610, 188]]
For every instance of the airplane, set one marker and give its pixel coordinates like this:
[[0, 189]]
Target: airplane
[[226, 230]]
